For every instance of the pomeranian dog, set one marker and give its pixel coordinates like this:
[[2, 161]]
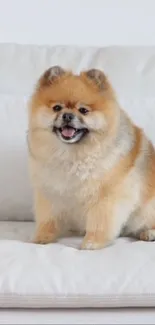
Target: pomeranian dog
[[92, 169]]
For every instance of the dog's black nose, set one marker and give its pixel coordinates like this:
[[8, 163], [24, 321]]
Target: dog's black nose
[[68, 117]]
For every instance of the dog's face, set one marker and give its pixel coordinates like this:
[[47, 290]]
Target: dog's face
[[72, 107]]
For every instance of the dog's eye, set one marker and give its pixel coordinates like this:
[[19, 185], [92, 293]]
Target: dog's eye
[[57, 108], [83, 110]]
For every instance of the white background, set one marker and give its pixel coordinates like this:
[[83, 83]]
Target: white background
[[82, 22]]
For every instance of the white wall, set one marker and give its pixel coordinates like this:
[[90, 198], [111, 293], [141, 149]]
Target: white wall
[[85, 22]]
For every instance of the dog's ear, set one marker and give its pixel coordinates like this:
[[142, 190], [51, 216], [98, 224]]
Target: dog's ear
[[97, 77], [50, 76]]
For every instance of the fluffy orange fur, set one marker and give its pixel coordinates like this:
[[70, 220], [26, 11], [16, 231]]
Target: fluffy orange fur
[[103, 184]]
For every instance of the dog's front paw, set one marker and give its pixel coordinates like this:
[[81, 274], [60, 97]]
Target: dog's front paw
[[92, 243], [43, 240], [46, 233]]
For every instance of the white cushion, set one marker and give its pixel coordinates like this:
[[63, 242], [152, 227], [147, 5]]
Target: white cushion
[[61, 275], [131, 71]]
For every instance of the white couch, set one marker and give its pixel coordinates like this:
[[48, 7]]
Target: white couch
[[37, 279]]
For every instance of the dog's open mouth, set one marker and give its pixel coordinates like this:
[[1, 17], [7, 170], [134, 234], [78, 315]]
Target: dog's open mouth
[[69, 132]]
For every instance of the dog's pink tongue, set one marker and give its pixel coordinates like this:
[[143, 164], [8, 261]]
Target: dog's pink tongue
[[68, 132]]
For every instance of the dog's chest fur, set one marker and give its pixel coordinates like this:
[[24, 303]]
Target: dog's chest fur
[[71, 184]]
